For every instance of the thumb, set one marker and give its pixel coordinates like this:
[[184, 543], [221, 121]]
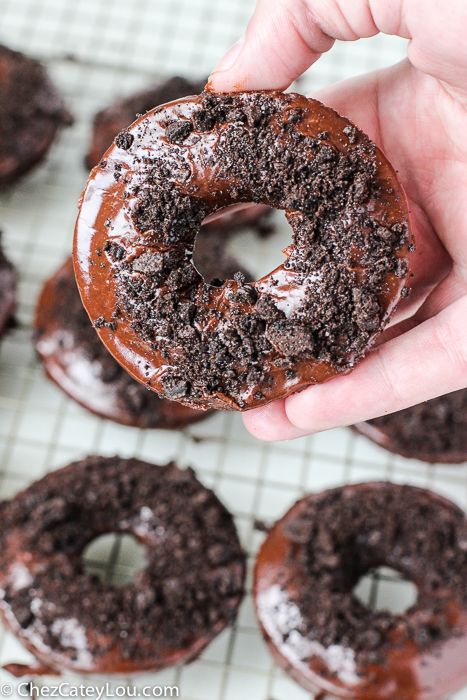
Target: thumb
[[284, 37], [275, 49]]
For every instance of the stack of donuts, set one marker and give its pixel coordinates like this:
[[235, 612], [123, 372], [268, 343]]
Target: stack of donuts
[[153, 333]]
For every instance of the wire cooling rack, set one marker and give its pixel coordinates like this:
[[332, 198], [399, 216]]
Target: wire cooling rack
[[96, 50]]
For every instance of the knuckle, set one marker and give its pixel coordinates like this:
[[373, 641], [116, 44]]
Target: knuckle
[[392, 389]]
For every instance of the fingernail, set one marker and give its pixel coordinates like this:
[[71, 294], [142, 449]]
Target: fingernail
[[230, 57]]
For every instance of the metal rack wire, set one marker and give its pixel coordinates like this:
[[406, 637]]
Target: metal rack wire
[[97, 49]]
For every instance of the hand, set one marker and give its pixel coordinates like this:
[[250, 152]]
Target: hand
[[416, 112]]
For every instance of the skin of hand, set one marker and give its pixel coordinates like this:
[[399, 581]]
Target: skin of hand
[[416, 112]]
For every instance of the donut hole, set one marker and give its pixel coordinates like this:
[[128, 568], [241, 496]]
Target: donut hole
[[386, 589], [114, 558], [219, 254], [260, 254]]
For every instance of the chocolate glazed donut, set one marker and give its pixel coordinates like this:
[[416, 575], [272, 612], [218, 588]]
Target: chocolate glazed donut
[[434, 431], [237, 346], [31, 113], [189, 590], [318, 631]]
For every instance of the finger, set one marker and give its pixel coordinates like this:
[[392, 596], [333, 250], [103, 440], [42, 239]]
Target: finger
[[271, 423], [284, 38], [451, 289], [438, 45], [382, 105], [428, 361], [379, 385]]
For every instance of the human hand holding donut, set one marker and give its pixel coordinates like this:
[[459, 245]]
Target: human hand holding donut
[[416, 112]]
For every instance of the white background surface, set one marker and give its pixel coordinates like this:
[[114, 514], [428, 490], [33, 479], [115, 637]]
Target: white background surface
[[96, 50]]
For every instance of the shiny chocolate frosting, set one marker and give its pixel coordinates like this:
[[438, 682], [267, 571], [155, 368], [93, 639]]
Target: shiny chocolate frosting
[[230, 344]]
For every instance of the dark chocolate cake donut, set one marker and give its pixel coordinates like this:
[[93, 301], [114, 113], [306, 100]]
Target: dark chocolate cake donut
[[434, 431], [187, 593], [321, 634], [7, 291], [237, 345], [31, 113]]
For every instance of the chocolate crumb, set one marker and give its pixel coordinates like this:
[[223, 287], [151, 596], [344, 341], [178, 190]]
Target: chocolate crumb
[[117, 252], [261, 526], [290, 337], [178, 131], [124, 140]]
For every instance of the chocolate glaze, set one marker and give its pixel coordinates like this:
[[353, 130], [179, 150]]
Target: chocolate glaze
[[182, 147], [76, 360], [31, 113], [434, 431], [323, 637], [7, 292], [189, 590]]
